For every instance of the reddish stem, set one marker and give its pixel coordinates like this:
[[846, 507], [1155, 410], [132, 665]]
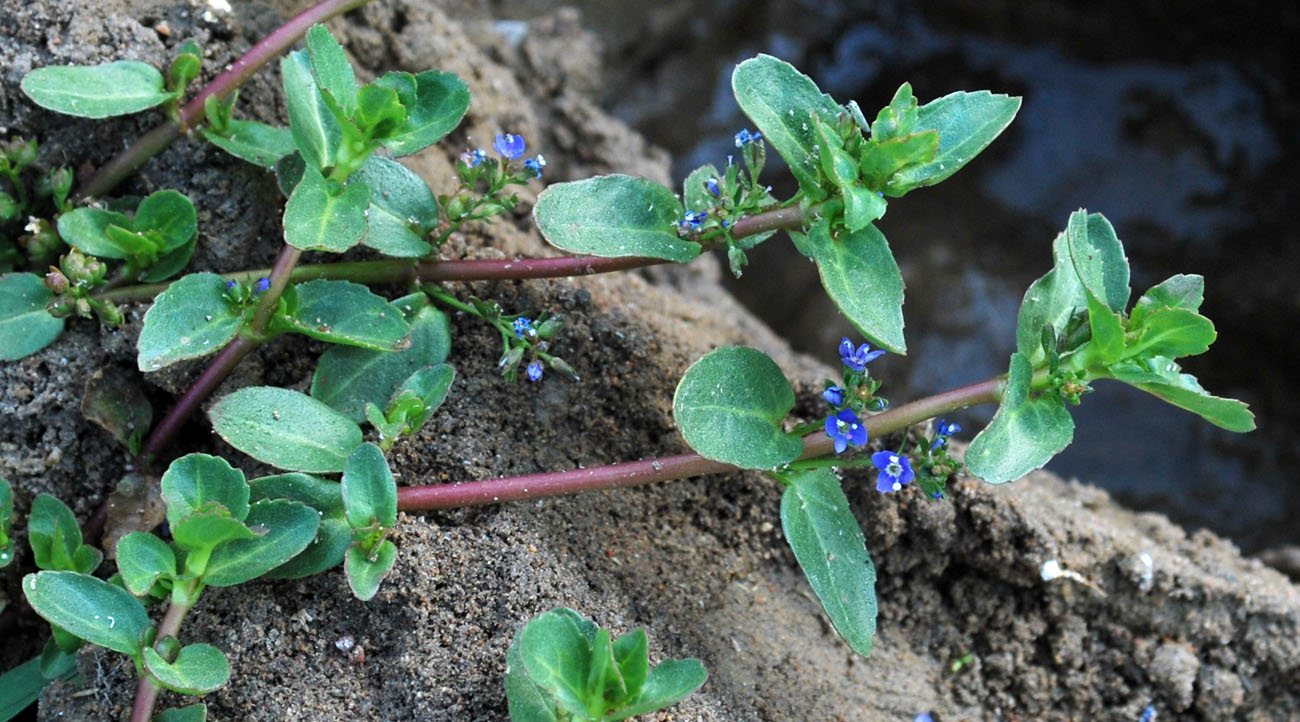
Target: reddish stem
[[633, 473]]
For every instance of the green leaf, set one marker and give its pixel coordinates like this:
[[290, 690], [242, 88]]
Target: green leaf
[[285, 429], [1099, 262], [831, 550], [898, 118], [194, 481], [141, 559], [614, 216], [881, 160], [1163, 378], [322, 495], [631, 653], [966, 123], [605, 686], [197, 669], [1184, 291], [204, 530], [836, 162], [861, 207], [25, 326], [730, 405], [192, 318], [1026, 432], [527, 702], [669, 683], [285, 528], [1052, 300], [859, 274], [556, 653], [170, 215], [97, 91], [1171, 332], [369, 491], [326, 551], [347, 313], [317, 218], [192, 713], [86, 230], [780, 99], [379, 110], [315, 130], [347, 378], [55, 537], [365, 571], [21, 686], [402, 208], [331, 69], [86, 607], [170, 264], [430, 386], [435, 102], [257, 143]]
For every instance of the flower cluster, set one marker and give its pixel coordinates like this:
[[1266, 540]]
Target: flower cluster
[[744, 137], [853, 396], [693, 220], [531, 338]]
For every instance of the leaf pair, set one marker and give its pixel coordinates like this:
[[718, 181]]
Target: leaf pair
[[562, 666], [158, 241], [1072, 321]]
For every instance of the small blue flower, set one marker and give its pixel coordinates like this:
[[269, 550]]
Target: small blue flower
[[536, 165], [880, 193], [1148, 714], [857, 359], [923, 717], [534, 370], [523, 327], [230, 285], [693, 219], [937, 495], [262, 285], [726, 223], [712, 185], [845, 429], [895, 471], [744, 136], [834, 396], [474, 158], [947, 429], [509, 145]]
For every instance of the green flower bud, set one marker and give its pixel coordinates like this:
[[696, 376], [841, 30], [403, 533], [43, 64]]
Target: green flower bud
[[550, 327], [109, 314], [21, 153], [56, 281], [563, 367]]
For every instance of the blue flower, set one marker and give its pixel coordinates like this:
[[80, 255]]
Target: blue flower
[[523, 327], [536, 165], [230, 285], [534, 370], [474, 158], [857, 359], [262, 285], [712, 185], [923, 717], [834, 396], [947, 429], [744, 137], [937, 495], [845, 429], [895, 471], [693, 219], [509, 145]]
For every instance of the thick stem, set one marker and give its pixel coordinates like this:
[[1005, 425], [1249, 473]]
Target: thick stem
[[633, 473], [192, 113], [146, 692]]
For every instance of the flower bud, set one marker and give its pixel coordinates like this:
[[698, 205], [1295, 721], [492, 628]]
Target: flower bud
[[21, 153], [109, 314], [56, 281], [511, 359], [550, 327]]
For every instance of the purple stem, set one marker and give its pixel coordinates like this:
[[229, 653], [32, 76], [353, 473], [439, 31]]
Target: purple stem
[[151, 143], [633, 473]]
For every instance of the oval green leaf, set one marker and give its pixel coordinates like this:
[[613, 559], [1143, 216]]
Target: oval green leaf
[[967, 123], [527, 702], [195, 481], [556, 654], [192, 713], [171, 215], [1025, 433], [614, 216], [831, 550], [25, 326], [1184, 391], [331, 69], [320, 494], [197, 669], [780, 99], [669, 683], [192, 318], [730, 405], [317, 218], [347, 377], [369, 491], [88, 608], [285, 528], [346, 313], [142, 558], [286, 429], [257, 143], [86, 230], [97, 91], [435, 102], [326, 551], [366, 571], [860, 275], [402, 208], [315, 130]]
